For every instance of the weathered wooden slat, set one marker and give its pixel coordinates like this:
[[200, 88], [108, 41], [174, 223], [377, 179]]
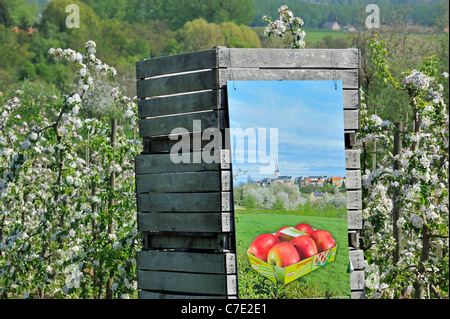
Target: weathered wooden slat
[[354, 219], [358, 294], [158, 126], [351, 99], [145, 294], [213, 181], [184, 202], [185, 222], [357, 280], [187, 241], [187, 162], [176, 63], [352, 160], [281, 58], [216, 284], [348, 77], [354, 199], [188, 142], [175, 104], [351, 120], [357, 259], [353, 179], [190, 122], [187, 262], [184, 123], [182, 83]]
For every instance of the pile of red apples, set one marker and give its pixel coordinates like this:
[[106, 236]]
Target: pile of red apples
[[280, 250]]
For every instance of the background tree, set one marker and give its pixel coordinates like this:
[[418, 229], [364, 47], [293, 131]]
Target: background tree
[[5, 16], [199, 35]]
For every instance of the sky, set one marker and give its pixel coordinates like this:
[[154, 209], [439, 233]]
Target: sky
[[301, 128]]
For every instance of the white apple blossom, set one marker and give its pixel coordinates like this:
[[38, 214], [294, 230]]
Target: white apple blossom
[[286, 26]]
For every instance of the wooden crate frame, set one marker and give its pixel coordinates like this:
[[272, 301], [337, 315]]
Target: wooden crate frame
[[185, 210]]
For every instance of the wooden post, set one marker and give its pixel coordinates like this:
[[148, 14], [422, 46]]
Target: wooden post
[[396, 211], [112, 185]]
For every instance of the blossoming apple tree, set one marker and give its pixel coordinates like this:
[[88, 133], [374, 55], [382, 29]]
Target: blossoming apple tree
[[67, 209], [406, 195]]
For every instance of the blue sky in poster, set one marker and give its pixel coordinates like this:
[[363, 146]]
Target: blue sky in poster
[[310, 122]]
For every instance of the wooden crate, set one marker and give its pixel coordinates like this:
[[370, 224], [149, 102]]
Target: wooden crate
[[185, 210]]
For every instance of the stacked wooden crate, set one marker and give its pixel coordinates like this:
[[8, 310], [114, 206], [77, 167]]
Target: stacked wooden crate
[[186, 212]]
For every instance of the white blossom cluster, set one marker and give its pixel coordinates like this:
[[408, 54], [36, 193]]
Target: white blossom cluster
[[417, 80], [128, 104], [83, 62], [286, 24]]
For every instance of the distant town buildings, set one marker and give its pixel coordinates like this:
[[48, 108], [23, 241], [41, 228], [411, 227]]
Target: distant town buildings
[[277, 179], [302, 181]]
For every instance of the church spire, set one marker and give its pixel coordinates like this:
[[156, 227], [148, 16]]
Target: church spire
[[277, 171]]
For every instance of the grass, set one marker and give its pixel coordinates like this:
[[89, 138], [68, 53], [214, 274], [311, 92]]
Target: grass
[[330, 281], [315, 35]]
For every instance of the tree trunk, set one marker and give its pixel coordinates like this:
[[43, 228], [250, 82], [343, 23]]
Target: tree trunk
[[396, 211], [112, 185]]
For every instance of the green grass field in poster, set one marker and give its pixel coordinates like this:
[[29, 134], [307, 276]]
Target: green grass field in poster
[[330, 281]]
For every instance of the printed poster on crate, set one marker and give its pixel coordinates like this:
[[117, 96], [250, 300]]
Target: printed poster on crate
[[290, 202]]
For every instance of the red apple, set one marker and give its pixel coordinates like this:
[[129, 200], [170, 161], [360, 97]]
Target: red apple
[[286, 233], [282, 255], [304, 227], [262, 244], [279, 230], [305, 246], [323, 240]]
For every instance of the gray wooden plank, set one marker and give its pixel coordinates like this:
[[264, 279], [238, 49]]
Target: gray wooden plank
[[179, 182], [357, 259], [357, 280], [352, 159], [358, 295], [146, 294], [175, 104], [351, 99], [354, 219], [187, 262], [216, 284], [283, 58], [351, 120], [354, 199], [184, 123], [184, 202], [181, 83], [176, 63], [186, 162], [349, 78], [185, 222], [353, 179], [159, 126], [186, 142], [186, 241]]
